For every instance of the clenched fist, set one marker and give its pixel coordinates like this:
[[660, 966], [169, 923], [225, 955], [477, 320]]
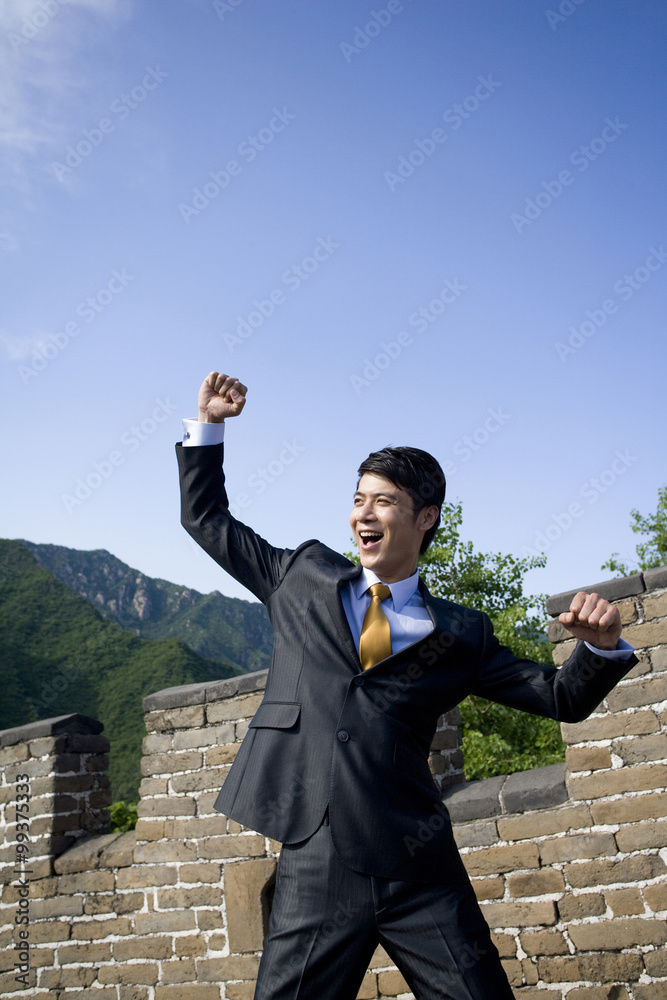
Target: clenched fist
[[220, 396], [593, 619]]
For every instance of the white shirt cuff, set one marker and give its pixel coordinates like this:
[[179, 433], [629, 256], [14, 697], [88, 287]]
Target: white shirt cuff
[[623, 651], [196, 433]]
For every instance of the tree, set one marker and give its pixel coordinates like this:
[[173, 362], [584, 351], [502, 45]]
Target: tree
[[496, 739], [487, 581], [652, 552]]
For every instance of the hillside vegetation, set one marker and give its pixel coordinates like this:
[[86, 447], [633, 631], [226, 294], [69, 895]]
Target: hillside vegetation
[[228, 629], [59, 655]]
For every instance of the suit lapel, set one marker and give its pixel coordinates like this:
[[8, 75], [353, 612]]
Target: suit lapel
[[340, 618], [441, 622], [434, 607]]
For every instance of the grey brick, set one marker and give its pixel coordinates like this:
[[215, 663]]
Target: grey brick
[[540, 788], [476, 834], [474, 799], [655, 578]]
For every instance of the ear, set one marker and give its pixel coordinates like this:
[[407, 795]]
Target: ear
[[428, 516]]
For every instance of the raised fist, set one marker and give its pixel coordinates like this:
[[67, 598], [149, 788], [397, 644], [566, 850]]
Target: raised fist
[[220, 396], [593, 619]]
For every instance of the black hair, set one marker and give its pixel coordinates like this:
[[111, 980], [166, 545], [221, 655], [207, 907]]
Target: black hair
[[414, 471]]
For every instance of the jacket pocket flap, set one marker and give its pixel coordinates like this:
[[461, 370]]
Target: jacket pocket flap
[[276, 715]]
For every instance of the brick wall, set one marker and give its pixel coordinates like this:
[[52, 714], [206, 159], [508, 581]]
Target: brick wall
[[568, 861]]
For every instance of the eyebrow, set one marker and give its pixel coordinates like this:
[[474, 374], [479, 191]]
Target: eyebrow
[[381, 493]]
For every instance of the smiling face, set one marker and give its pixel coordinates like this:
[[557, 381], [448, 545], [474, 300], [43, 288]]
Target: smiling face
[[386, 529]]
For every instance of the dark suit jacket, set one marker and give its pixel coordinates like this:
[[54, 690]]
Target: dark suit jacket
[[328, 733]]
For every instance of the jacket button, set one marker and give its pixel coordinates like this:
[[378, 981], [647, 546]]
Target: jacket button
[[359, 681], [343, 735]]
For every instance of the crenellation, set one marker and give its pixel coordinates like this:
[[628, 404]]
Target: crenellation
[[568, 862]]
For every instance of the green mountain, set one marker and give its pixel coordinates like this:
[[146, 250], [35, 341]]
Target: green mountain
[[59, 655], [228, 629]]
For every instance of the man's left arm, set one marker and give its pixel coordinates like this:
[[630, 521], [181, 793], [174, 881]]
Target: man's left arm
[[594, 620], [599, 661]]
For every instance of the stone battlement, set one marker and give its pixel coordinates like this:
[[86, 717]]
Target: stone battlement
[[568, 861]]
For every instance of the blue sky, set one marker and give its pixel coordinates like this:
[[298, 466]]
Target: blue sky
[[429, 223]]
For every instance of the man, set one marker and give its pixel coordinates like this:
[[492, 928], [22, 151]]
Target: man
[[335, 763]]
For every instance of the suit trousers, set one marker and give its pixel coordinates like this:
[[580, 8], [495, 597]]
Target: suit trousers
[[327, 921]]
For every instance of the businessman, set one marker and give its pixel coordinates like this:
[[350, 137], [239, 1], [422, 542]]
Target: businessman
[[335, 763]]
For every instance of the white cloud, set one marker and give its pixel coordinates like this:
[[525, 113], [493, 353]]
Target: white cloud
[[21, 348], [40, 76]]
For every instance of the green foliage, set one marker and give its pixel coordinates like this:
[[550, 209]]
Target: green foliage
[[496, 739], [501, 740], [652, 552], [60, 656], [489, 582], [122, 817]]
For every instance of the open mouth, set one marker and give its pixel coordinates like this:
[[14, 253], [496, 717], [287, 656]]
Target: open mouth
[[370, 539]]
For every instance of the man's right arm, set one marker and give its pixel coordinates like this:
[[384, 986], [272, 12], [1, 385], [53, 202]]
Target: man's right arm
[[205, 513], [220, 396]]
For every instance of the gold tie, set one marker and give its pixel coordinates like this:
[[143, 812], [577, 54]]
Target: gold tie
[[375, 641]]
